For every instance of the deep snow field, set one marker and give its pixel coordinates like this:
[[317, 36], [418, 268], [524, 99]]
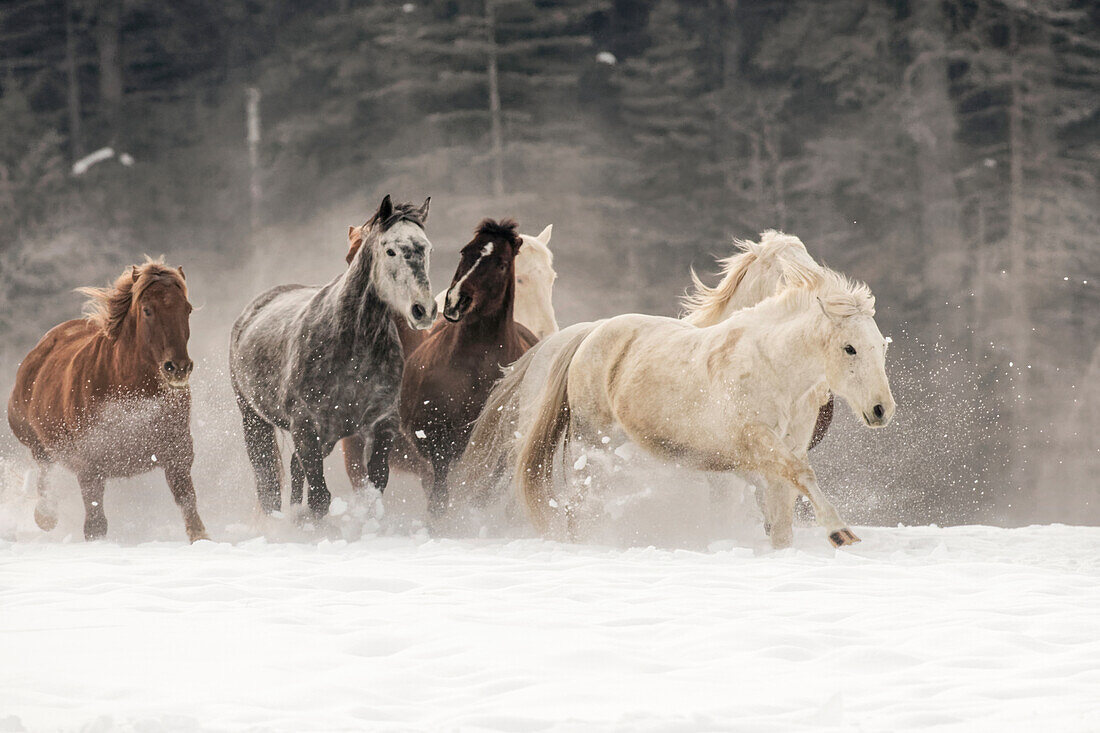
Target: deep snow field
[[361, 624]]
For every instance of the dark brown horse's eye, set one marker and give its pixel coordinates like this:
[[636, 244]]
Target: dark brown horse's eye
[[147, 310]]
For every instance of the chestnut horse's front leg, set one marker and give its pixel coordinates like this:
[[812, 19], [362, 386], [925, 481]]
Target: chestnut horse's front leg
[[355, 447], [95, 521], [183, 491]]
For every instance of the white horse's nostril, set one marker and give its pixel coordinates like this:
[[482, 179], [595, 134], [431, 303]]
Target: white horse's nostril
[[879, 411]]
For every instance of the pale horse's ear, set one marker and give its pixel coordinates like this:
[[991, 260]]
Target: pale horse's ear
[[821, 305], [422, 213], [180, 268], [544, 237], [134, 273]]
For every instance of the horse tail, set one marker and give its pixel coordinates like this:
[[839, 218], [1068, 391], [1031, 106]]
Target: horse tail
[[491, 444], [535, 466]]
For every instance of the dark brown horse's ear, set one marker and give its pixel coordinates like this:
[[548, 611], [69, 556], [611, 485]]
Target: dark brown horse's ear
[[385, 210], [134, 272], [422, 214]]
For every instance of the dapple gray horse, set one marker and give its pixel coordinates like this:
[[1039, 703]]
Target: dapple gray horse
[[325, 362]]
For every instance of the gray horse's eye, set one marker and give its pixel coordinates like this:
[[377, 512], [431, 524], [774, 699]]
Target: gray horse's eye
[[390, 252]]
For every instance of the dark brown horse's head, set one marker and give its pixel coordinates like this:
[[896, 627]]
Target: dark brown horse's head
[[148, 304], [484, 282]]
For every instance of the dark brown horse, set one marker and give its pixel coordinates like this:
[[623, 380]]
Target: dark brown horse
[[107, 396], [449, 376]]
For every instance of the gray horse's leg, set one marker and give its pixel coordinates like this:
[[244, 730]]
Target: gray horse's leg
[[95, 521], [378, 468], [297, 478], [311, 453], [263, 452]]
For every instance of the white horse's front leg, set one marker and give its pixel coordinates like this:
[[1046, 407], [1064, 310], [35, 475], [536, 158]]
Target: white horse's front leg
[[782, 467], [779, 501]]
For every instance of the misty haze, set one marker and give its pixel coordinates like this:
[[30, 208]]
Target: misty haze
[[945, 153]]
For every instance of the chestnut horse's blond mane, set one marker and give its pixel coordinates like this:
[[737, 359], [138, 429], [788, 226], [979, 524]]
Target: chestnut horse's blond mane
[[106, 308]]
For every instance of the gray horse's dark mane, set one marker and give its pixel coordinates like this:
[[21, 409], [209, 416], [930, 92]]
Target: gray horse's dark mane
[[401, 212]]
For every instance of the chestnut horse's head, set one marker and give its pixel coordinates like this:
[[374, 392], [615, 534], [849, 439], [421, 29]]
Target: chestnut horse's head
[[484, 282], [148, 305]]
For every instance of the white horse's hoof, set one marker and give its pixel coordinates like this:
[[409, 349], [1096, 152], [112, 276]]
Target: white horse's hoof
[[843, 537], [46, 519]]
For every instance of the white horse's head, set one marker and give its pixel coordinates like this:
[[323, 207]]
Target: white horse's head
[[854, 347], [399, 251], [748, 277], [535, 276]]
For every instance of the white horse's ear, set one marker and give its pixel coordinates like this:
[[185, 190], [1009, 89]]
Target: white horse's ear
[[423, 213], [544, 237], [824, 310]]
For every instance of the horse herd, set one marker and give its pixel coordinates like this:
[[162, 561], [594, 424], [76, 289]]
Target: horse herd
[[485, 402]]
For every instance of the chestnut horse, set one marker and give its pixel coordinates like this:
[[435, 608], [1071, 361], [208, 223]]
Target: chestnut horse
[[448, 378], [107, 396]]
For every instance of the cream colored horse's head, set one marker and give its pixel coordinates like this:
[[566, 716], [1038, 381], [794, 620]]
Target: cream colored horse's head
[[855, 349], [534, 306]]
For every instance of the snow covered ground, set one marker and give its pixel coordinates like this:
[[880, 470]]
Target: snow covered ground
[[966, 628]]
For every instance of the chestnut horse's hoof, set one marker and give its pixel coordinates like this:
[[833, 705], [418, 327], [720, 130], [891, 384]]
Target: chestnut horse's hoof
[[45, 519], [843, 537], [199, 537]]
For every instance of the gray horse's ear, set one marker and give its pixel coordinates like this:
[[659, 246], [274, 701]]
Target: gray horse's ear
[[385, 211], [423, 212]]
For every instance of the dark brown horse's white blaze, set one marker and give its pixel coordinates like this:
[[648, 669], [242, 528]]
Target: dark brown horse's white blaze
[[449, 376], [107, 396]]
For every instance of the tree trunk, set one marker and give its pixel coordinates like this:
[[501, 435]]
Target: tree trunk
[[255, 192], [108, 31], [76, 144], [496, 132], [1017, 218]]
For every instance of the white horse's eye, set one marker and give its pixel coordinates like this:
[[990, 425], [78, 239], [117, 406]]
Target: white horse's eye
[[850, 350]]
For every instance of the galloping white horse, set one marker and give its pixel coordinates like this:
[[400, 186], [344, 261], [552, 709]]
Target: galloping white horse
[[742, 395], [535, 276], [748, 277]]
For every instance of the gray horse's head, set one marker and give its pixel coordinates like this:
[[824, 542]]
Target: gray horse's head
[[399, 251]]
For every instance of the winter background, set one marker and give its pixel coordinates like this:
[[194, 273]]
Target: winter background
[[947, 152]]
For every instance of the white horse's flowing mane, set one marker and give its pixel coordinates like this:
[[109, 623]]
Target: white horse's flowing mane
[[705, 304], [836, 294]]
